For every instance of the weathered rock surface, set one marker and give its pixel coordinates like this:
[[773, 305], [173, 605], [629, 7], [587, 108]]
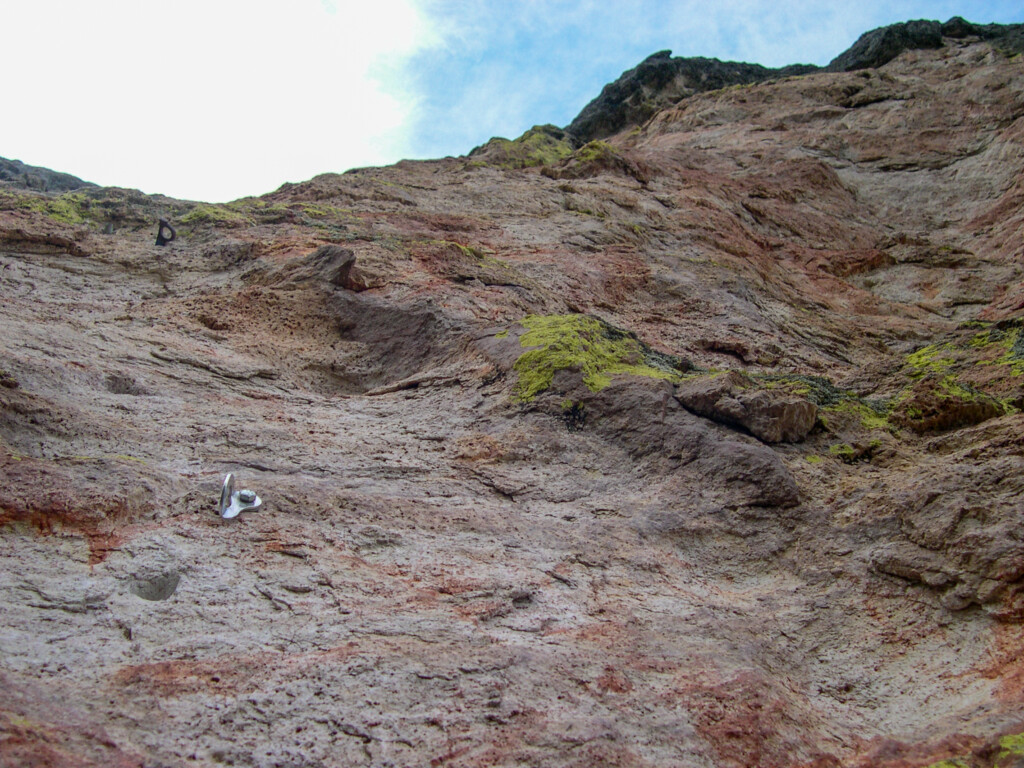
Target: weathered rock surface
[[773, 416], [452, 569]]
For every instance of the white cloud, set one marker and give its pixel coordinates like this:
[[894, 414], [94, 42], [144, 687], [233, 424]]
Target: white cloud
[[207, 99]]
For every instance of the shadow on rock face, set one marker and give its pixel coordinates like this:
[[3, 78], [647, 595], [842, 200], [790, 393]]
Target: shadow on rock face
[[398, 341], [318, 328], [644, 417]]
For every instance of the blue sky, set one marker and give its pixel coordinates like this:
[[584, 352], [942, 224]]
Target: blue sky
[[218, 99]]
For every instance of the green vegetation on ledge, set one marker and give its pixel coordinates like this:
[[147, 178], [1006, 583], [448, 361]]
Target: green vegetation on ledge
[[596, 152], [70, 208], [541, 145], [585, 343], [213, 215], [1011, 749], [1010, 746], [995, 345], [930, 359]]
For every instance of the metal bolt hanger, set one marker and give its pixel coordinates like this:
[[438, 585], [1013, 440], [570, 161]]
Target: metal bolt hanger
[[232, 502]]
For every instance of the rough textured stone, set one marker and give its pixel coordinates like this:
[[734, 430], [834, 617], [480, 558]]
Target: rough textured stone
[[330, 264], [445, 573], [773, 416]]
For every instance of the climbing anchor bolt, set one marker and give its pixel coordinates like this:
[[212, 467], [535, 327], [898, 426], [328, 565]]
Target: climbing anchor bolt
[[232, 502], [161, 238]]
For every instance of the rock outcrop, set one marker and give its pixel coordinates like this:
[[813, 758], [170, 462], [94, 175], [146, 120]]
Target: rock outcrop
[[880, 46], [771, 415], [14, 173], [660, 81], [697, 445]]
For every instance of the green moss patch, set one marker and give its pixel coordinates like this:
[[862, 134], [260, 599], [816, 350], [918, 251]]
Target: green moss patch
[[819, 390], [1010, 746], [870, 414], [322, 211], [596, 157], [541, 145], [70, 208], [955, 383], [587, 344], [596, 152], [261, 211], [851, 454], [937, 403], [934, 358], [830, 399], [1011, 341], [1001, 344], [843, 452], [206, 214]]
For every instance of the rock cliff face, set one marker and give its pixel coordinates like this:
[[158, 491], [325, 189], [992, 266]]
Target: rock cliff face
[[661, 80], [697, 446]]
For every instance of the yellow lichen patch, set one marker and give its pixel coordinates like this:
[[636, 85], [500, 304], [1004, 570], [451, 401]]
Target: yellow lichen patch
[[870, 417], [214, 215], [587, 344], [931, 359], [541, 145], [1014, 355], [1008, 343], [69, 208], [1010, 747]]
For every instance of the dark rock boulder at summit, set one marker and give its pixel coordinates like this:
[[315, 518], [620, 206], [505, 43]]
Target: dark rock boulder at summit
[[662, 80], [659, 81], [882, 45], [17, 174]]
